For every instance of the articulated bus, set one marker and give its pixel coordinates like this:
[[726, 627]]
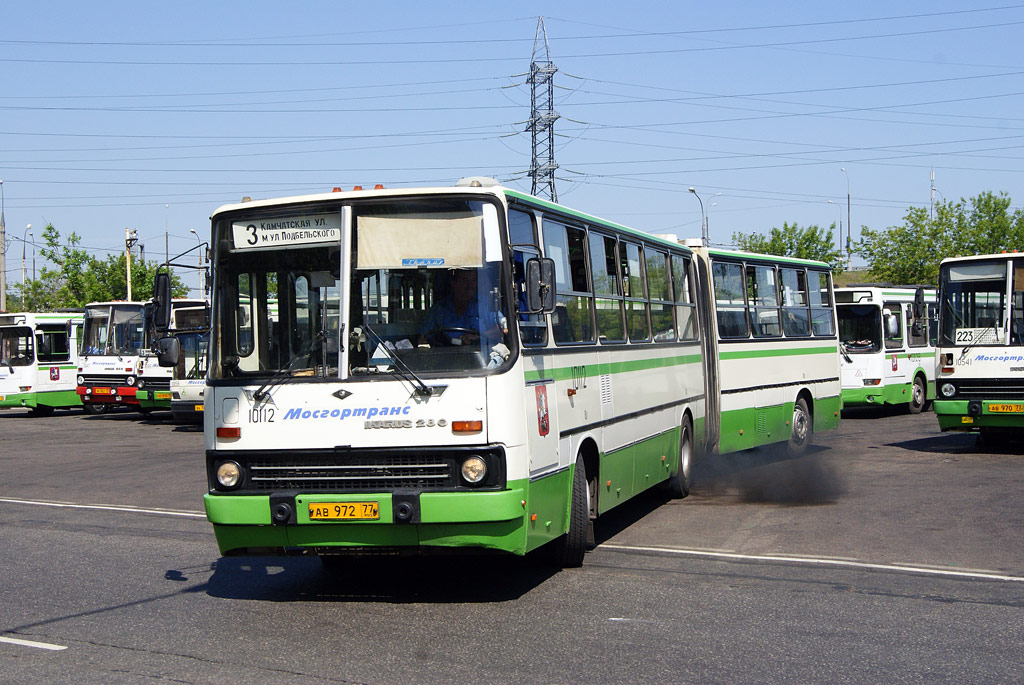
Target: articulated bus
[[116, 365], [38, 359], [980, 354], [887, 341], [474, 367]]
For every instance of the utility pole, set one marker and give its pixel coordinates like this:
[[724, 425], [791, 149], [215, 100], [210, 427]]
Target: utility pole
[[542, 116], [3, 253], [931, 200], [130, 238]]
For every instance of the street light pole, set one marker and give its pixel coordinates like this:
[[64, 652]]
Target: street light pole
[[23, 241], [703, 221], [130, 238], [202, 272], [849, 227]]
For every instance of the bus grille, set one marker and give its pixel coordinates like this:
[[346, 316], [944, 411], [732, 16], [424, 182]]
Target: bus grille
[[383, 473], [103, 380], [988, 389], [157, 384]]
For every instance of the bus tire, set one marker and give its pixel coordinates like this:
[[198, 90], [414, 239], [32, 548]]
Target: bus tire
[[94, 409], [801, 429], [678, 484], [918, 396], [568, 550]]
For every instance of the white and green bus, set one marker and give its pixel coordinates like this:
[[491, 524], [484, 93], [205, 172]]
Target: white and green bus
[[473, 367], [38, 360], [887, 336], [980, 354]]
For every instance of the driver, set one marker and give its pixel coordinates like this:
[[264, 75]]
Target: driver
[[456, 310]]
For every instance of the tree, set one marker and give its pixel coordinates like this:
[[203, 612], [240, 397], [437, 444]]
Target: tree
[[80, 278], [909, 254], [809, 242]]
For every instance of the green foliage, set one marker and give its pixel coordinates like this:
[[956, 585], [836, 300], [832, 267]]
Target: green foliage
[[910, 253], [809, 242], [77, 278]]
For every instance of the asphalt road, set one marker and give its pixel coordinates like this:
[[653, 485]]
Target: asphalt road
[[890, 553]]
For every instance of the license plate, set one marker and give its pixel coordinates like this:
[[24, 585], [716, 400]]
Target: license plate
[[102, 391], [966, 419], [344, 511], [162, 396], [198, 407], [1006, 408]]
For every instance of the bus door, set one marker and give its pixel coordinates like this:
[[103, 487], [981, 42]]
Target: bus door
[[709, 348], [53, 351], [896, 361]]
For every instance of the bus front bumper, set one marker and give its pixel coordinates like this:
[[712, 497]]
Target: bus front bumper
[[961, 415], [257, 524]]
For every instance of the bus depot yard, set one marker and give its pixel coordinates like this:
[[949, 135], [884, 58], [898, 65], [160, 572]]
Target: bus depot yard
[[888, 551]]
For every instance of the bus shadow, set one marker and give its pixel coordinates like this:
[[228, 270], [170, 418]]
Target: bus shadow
[[396, 580], [875, 412], [960, 443]]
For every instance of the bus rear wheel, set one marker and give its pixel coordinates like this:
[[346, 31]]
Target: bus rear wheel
[[678, 484], [801, 429], [568, 550], [918, 396]]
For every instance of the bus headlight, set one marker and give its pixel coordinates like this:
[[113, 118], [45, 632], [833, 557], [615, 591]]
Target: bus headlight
[[142, 383], [80, 380], [474, 470], [130, 381], [229, 475], [947, 389]]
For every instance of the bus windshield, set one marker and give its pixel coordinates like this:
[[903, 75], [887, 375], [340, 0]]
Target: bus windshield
[[16, 346], [860, 328], [425, 295], [974, 308], [114, 330]]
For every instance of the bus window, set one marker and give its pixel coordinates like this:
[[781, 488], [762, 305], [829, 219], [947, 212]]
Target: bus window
[[763, 296], [892, 326], [795, 317], [607, 289], [16, 346], [1017, 304], [52, 345], [686, 316], [520, 228], [636, 296], [571, 320], [660, 292], [917, 329], [933, 324], [730, 307], [821, 303]]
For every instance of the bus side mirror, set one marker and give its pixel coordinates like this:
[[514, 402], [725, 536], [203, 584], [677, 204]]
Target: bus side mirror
[[540, 285], [920, 308], [162, 301], [168, 351], [892, 325]]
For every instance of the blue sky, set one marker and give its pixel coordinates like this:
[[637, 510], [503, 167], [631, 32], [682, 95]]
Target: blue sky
[[148, 116]]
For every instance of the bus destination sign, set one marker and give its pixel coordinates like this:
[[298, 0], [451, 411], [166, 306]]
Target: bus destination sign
[[311, 229]]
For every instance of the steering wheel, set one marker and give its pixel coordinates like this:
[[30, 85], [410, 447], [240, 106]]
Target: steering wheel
[[440, 335]]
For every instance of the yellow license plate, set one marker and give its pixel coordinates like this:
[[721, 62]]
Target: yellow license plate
[[344, 511], [966, 419], [102, 391], [1006, 408], [199, 407], [162, 396]]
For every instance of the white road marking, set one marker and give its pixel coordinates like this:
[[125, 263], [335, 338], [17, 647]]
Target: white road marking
[[105, 507], [30, 643], [815, 561]]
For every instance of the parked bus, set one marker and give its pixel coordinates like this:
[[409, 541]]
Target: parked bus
[[887, 336], [980, 358], [475, 367], [191, 326], [38, 359], [116, 365]]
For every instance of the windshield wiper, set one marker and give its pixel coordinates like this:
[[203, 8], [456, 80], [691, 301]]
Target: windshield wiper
[[7, 363], [846, 355], [401, 367], [975, 343], [264, 390]]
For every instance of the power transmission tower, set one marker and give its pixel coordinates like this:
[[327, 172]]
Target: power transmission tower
[[542, 116]]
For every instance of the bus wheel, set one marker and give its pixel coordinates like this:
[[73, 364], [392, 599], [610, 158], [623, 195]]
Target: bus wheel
[[567, 551], [678, 484], [95, 408], [918, 396], [40, 410], [802, 428]]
